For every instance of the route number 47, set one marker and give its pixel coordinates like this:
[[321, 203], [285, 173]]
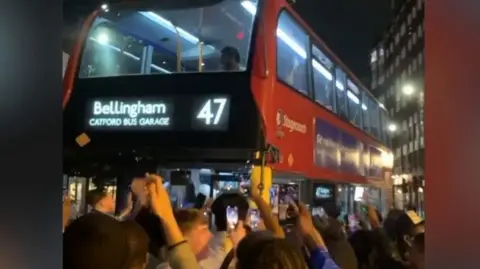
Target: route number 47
[[212, 111]]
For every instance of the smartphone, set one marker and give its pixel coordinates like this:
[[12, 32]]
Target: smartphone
[[254, 215], [200, 201], [232, 217]]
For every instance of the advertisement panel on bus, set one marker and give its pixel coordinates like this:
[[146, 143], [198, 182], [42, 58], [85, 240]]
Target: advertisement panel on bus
[[341, 152]]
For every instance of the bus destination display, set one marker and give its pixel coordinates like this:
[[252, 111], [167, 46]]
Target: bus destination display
[[182, 113]]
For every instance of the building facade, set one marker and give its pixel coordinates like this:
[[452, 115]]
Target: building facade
[[397, 80]]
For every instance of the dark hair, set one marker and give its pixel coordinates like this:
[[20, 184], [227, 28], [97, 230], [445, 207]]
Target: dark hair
[[219, 207], [95, 241], [154, 229], [93, 197], [419, 242], [231, 52], [363, 245], [138, 243], [261, 251]]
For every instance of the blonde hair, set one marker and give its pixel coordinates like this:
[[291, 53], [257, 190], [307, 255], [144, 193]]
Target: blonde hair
[[187, 219]]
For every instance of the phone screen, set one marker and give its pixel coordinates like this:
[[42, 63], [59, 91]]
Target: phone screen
[[254, 218], [232, 216]]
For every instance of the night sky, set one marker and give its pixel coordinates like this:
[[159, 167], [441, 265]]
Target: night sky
[[349, 27]]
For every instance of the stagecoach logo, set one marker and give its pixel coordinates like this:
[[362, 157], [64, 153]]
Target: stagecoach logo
[[279, 118], [283, 121]]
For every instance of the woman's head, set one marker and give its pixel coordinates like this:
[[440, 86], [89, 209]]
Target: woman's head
[[138, 244], [260, 250], [194, 226]]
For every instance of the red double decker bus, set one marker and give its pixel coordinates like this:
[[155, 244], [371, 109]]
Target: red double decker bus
[[220, 84]]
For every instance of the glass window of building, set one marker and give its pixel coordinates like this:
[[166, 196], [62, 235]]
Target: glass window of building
[[391, 47], [373, 116], [420, 30], [409, 44], [373, 56], [397, 38], [403, 53], [353, 103], [365, 115], [414, 12], [397, 61], [409, 19], [340, 89], [402, 29], [322, 78], [419, 4], [420, 58], [414, 38], [391, 69], [392, 113], [292, 53]]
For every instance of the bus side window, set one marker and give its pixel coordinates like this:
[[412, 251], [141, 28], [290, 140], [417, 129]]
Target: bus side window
[[292, 43]]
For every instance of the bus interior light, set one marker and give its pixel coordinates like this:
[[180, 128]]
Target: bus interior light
[[322, 69], [249, 7], [103, 38], [339, 85], [353, 97]]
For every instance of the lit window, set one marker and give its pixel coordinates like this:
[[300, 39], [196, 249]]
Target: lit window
[[409, 44], [403, 53], [420, 58], [373, 57], [409, 19], [419, 4], [402, 29], [420, 30], [397, 39], [414, 38], [414, 12], [292, 53], [322, 78]]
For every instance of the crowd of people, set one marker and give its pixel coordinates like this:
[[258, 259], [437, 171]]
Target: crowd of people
[[151, 234]]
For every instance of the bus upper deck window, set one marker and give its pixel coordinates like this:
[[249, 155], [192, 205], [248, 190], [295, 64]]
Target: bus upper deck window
[[210, 38]]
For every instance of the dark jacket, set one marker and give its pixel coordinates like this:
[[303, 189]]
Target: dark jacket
[[337, 243]]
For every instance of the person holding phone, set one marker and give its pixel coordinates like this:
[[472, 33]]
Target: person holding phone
[[228, 210], [180, 255]]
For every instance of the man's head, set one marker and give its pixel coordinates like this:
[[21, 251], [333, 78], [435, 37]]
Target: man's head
[[219, 209], [230, 59], [91, 242], [101, 200], [194, 226]]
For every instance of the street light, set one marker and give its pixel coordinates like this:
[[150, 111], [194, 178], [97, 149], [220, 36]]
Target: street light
[[408, 89], [392, 127]]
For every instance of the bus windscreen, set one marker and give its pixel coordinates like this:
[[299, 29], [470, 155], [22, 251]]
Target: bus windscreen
[[129, 41]]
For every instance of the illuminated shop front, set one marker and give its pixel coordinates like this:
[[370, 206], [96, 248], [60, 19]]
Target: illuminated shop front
[[409, 193]]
